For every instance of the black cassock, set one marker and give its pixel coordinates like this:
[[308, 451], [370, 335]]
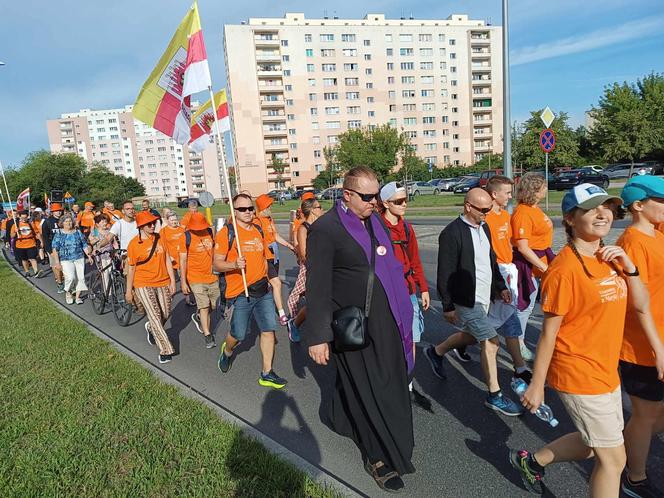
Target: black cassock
[[371, 402]]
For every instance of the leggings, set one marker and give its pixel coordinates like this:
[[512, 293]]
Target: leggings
[[157, 304]]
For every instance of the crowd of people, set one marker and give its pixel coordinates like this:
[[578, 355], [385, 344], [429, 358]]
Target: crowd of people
[[361, 292]]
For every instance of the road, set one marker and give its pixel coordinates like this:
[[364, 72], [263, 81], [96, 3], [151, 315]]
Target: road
[[461, 448]]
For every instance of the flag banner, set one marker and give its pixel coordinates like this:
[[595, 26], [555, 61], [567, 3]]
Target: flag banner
[[21, 200], [203, 123], [164, 100]]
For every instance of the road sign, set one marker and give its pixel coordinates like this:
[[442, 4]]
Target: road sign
[[430, 167], [206, 199], [547, 140], [547, 117]]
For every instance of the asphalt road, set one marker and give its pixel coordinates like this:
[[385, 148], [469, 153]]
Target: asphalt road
[[461, 448]]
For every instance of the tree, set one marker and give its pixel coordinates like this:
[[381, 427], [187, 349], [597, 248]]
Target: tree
[[100, 184], [279, 167], [587, 150], [651, 92], [622, 128], [489, 161], [43, 172]]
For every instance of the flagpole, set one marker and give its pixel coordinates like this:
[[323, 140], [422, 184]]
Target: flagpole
[[9, 197], [228, 186]]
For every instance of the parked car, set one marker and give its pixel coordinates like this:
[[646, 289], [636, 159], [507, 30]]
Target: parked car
[[331, 193], [421, 188], [486, 175], [568, 179], [275, 194], [654, 167], [184, 203], [596, 168], [466, 184], [622, 170], [447, 184], [299, 193]]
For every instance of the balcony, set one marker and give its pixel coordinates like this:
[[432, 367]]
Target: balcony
[[482, 120], [270, 147], [274, 57], [269, 84], [272, 102], [482, 146], [266, 40], [263, 73], [275, 133], [270, 118], [482, 132]]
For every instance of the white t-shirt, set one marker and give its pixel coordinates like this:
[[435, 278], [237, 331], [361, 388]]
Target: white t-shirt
[[124, 231], [483, 273]]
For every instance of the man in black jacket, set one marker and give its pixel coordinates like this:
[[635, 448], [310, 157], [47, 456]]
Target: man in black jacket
[[49, 228], [468, 280]]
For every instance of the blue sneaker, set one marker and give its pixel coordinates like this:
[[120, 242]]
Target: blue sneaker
[[271, 379], [225, 362], [504, 405], [436, 362], [293, 331]]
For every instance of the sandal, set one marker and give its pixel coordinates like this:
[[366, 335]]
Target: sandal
[[387, 480]]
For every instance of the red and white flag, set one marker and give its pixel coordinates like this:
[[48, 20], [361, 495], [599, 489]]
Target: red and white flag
[[22, 198], [203, 122]]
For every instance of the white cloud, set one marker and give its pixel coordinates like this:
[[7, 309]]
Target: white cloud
[[588, 41]]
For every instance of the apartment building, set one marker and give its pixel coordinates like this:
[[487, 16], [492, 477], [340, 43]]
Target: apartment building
[[295, 84], [131, 148]]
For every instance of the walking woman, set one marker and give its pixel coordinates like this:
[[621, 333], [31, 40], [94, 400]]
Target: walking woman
[[171, 233], [150, 274], [643, 196], [103, 242], [311, 210], [532, 232], [584, 299], [70, 249]]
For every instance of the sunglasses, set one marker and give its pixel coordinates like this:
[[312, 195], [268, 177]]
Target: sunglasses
[[481, 210], [317, 207], [399, 202], [364, 197], [245, 209]]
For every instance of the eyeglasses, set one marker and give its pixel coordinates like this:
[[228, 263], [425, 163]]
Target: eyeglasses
[[245, 209], [481, 210], [364, 197], [399, 202]]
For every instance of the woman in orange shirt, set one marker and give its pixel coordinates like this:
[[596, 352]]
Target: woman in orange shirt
[[532, 236], [644, 198], [584, 298], [150, 274]]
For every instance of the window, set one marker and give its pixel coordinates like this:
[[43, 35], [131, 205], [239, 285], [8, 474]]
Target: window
[[309, 52], [428, 119], [331, 96], [453, 69], [407, 66], [292, 131], [430, 146], [405, 52], [289, 88], [392, 94], [409, 121], [332, 139], [426, 66], [390, 66], [446, 145], [319, 168], [408, 94], [349, 52], [353, 110], [389, 52], [455, 96], [286, 72], [327, 52], [405, 80], [293, 146], [388, 38], [427, 93], [429, 106], [409, 107], [347, 38], [443, 65], [330, 111], [331, 125], [315, 140], [351, 67], [441, 37], [393, 108], [426, 80], [392, 122], [369, 86], [371, 114], [453, 82], [314, 125], [352, 95], [354, 124], [290, 117], [370, 100], [329, 82], [452, 41], [326, 37], [313, 111], [452, 55], [312, 96], [284, 43], [411, 134], [307, 38], [328, 68], [351, 81], [455, 136], [443, 52], [390, 80], [367, 43], [426, 52], [310, 68], [311, 81], [446, 119], [455, 123], [429, 133], [425, 38], [405, 38], [285, 58]]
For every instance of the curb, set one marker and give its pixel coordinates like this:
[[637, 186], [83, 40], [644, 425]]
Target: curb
[[317, 474]]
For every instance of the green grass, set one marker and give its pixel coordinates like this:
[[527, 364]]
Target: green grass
[[80, 419]]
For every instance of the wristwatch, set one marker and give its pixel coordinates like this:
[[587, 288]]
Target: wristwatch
[[635, 273]]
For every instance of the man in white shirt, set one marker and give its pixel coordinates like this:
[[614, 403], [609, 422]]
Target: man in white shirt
[[125, 229]]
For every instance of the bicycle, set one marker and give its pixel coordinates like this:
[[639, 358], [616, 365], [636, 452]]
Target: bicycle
[[113, 292]]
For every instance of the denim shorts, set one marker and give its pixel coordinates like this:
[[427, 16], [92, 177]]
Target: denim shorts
[[475, 321], [511, 327], [418, 319], [261, 308]]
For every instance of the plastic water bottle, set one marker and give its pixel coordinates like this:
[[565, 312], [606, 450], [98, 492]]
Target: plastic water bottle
[[543, 412]]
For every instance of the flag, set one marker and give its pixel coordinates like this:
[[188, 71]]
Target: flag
[[21, 199], [164, 100], [202, 123], [47, 202]]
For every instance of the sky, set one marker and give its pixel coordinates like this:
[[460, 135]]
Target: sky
[[74, 54]]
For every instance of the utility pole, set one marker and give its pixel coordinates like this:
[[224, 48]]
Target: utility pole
[[507, 129]]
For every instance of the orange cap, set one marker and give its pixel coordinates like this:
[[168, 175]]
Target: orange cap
[[144, 218], [263, 202], [56, 206], [198, 222], [308, 195], [88, 204]]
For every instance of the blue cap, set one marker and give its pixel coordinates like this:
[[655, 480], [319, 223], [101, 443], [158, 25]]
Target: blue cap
[[586, 196], [642, 187]]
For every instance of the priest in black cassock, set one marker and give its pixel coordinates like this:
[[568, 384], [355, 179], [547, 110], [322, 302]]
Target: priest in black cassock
[[371, 402]]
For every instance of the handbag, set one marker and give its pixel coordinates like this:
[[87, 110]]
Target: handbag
[[350, 324]]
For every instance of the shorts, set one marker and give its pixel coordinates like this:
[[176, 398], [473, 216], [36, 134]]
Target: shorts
[[261, 308], [206, 295], [272, 269], [418, 319], [598, 417], [641, 381], [475, 322], [511, 327], [25, 254]]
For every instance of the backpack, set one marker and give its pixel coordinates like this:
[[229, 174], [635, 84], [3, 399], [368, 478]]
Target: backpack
[[406, 228], [187, 238]]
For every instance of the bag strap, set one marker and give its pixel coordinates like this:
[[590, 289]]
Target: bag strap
[[370, 279], [154, 246]]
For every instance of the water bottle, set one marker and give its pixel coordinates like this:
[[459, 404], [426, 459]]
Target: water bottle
[[543, 412]]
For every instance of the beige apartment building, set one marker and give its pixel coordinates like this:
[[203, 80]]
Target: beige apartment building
[[295, 84], [131, 148]]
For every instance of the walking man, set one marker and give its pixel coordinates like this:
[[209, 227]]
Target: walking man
[[49, 229], [468, 280], [260, 304], [125, 229]]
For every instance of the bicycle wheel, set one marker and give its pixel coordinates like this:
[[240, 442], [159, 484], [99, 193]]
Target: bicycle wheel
[[96, 291], [121, 308]]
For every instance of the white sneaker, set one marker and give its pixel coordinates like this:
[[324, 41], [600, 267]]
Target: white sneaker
[[69, 298], [526, 353]]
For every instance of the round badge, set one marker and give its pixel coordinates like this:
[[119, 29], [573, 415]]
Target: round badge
[[381, 250]]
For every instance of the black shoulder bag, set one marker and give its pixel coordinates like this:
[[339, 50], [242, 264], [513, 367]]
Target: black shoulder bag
[[152, 249], [350, 324]]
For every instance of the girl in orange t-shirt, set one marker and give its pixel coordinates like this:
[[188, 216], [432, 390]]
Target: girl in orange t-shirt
[[584, 298], [644, 198]]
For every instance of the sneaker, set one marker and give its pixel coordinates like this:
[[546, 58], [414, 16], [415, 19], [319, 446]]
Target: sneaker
[[79, 300], [526, 353], [225, 362], [271, 379], [525, 376], [504, 405], [283, 320], [196, 318], [293, 331], [165, 358], [69, 298], [209, 341], [150, 337], [532, 480], [461, 355], [39, 274], [640, 489], [61, 287], [436, 362]]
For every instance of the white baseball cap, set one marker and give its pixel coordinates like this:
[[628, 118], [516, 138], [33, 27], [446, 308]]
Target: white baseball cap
[[587, 196]]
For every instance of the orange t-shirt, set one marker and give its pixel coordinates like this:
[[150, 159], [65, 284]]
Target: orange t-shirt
[[660, 227], [199, 258], [26, 238], [254, 250], [269, 230], [171, 238], [647, 253], [585, 358], [532, 224], [154, 272], [113, 216], [86, 219], [501, 235]]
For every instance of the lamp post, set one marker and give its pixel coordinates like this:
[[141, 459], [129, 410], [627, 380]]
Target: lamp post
[[507, 130]]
